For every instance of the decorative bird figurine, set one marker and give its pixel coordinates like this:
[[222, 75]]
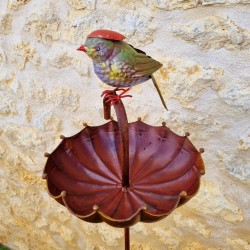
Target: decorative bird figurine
[[118, 63]]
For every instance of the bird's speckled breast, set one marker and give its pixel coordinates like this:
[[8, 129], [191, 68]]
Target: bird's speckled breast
[[117, 74]]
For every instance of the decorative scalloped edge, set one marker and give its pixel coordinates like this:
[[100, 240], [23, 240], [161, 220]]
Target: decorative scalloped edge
[[141, 214], [137, 216]]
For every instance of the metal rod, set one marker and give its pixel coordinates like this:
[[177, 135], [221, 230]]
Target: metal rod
[[124, 135], [127, 239], [123, 127]]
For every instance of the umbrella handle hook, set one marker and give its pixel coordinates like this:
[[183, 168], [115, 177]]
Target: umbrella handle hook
[[124, 135]]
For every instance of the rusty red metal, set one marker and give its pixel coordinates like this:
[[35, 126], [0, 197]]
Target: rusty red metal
[[122, 173], [124, 135], [107, 34]]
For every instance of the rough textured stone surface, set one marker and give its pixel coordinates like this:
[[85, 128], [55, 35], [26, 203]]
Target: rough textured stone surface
[[7, 76], [185, 79], [182, 222], [236, 167], [5, 23], [244, 141], [65, 98], [217, 204], [26, 138], [16, 4], [171, 4], [23, 53], [137, 26], [214, 32], [34, 89], [239, 244], [2, 55], [61, 57], [236, 93], [46, 121], [47, 88], [44, 24], [82, 4], [226, 2], [7, 104]]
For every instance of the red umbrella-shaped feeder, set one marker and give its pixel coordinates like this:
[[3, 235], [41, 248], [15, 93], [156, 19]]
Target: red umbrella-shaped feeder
[[122, 173]]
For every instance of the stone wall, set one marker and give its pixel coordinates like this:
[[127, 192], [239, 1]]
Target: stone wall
[[48, 88]]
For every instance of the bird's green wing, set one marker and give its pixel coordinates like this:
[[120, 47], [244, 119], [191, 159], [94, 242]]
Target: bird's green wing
[[145, 65], [142, 64], [135, 61], [137, 50]]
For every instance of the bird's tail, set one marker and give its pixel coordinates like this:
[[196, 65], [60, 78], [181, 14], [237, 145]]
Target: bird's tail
[[159, 92]]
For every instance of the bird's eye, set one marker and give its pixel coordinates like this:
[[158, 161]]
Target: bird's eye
[[98, 49]]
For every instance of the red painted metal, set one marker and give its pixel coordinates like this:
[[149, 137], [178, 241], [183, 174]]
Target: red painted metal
[[107, 34], [123, 173], [90, 175], [124, 135], [127, 238]]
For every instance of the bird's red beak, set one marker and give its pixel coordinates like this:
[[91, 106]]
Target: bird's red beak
[[82, 48]]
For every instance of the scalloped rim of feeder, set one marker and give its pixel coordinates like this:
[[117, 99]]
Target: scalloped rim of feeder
[[142, 213], [138, 215]]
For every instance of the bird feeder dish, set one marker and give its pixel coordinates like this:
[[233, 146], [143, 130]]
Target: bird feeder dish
[[122, 173]]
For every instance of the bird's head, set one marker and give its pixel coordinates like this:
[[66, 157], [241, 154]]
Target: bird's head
[[100, 44], [98, 49]]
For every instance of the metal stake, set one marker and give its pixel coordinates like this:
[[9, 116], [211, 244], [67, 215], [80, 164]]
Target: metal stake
[[127, 240], [124, 147]]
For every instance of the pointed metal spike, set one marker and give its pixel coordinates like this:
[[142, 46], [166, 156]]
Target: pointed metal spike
[[202, 172], [44, 176], [183, 193], [95, 207], [202, 150]]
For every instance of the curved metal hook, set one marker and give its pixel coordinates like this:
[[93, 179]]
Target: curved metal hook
[[124, 136]]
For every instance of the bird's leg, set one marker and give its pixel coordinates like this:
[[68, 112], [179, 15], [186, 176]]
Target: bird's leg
[[109, 94]]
